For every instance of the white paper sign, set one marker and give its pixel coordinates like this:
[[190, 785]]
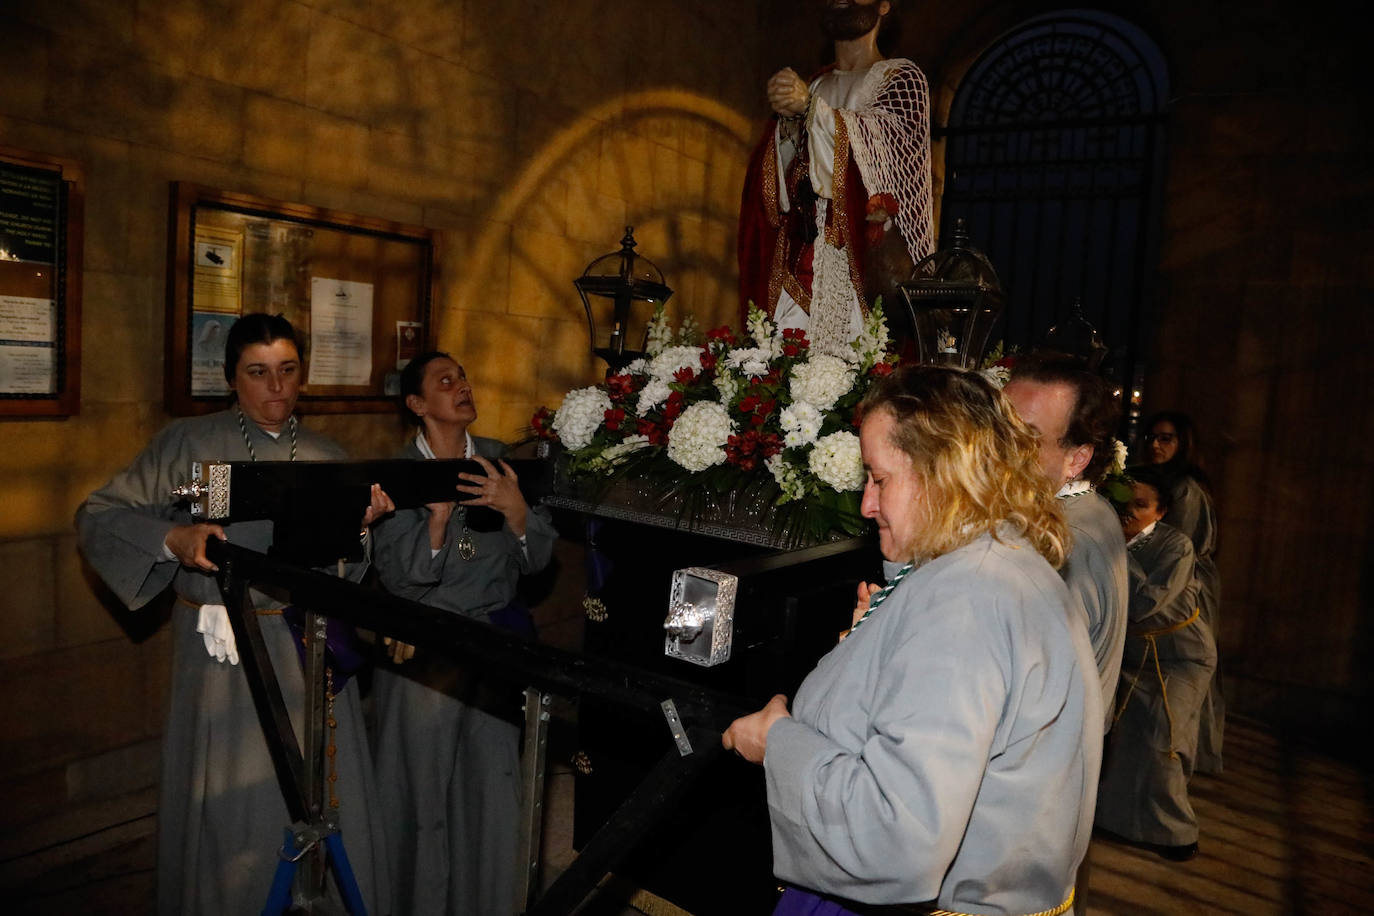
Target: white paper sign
[[22, 318], [26, 370], [340, 332]]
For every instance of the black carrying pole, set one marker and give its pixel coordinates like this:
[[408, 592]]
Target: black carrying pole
[[704, 713]]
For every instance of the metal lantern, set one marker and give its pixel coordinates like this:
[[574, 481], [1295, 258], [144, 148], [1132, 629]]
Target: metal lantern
[[1074, 337], [953, 299], [617, 281]]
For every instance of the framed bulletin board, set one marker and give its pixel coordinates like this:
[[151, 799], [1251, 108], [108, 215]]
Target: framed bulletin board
[[358, 291], [42, 201]]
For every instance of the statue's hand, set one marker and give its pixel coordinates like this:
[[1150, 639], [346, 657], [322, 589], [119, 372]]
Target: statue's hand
[[788, 93]]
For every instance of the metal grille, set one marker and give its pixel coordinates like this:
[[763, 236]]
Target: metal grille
[[1053, 156]]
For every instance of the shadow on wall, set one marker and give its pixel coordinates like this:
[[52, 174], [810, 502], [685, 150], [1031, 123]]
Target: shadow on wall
[[670, 162]]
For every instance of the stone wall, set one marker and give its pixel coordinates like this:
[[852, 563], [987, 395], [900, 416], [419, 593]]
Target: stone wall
[[529, 134]]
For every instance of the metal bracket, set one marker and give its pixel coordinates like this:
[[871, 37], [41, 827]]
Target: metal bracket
[[684, 746]]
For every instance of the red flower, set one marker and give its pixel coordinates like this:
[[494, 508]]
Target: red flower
[[656, 434], [749, 404], [747, 450], [685, 375], [880, 369], [708, 361], [723, 334], [614, 417], [620, 386], [542, 424]]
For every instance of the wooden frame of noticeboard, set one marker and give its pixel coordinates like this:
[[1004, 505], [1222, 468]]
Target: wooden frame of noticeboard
[[42, 218], [358, 290]]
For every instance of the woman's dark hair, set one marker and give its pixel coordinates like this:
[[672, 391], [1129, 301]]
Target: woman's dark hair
[[1157, 478], [413, 378], [255, 328], [1185, 460]]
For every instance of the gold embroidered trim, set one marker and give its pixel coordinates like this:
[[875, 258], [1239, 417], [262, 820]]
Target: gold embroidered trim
[[838, 229]]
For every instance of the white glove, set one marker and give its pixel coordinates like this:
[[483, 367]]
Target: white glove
[[213, 624]]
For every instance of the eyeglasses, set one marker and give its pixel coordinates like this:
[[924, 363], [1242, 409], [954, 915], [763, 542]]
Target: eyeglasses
[[1161, 438]]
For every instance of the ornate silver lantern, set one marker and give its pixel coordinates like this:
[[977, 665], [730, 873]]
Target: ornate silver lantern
[[953, 299]]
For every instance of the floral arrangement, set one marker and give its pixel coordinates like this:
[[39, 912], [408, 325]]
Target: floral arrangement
[[1117, 484], [759, 413]]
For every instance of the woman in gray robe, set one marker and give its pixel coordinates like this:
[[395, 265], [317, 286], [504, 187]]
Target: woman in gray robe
[[1172, 442], [448, 768], [221, 814], [1165, 673], [946, 752]]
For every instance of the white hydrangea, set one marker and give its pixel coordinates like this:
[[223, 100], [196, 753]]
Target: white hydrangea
[[835, 460], [821, 380], [654, 393], [697, 440], [788, 476], [801, 424], [672, 359], [752, 361], [616, 454], [580, 416]]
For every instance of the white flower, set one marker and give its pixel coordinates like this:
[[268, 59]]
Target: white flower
[[998, 375], [760, 328], [635, 367], [672, 359], [871, 344], [752, 361], [728, 386], [659, 335], [654, 393], [835, 460], [788, 476], [821, 380], [616, 454], [697, 440], [801, 424], [1119, 456], [580, 416]]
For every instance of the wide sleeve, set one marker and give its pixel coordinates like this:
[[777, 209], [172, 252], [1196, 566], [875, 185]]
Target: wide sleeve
[[885, 822], [401, 551], [1167, 588], [122, 526]]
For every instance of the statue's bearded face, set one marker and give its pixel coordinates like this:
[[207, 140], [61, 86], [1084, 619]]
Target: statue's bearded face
[[845, 20]]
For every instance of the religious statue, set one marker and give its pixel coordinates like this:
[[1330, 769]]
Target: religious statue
[[836, 206]]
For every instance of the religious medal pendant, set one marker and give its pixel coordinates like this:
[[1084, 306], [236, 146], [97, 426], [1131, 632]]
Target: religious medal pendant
[[466, 548]]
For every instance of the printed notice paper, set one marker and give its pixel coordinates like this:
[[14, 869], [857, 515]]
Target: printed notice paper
[[340, 332]]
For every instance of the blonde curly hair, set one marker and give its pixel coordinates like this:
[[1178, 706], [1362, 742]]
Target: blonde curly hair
[[977, 461]]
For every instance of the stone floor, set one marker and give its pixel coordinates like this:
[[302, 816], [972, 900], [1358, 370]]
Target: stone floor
[[1285, 830]]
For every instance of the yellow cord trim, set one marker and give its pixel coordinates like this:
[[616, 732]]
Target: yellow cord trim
[[1055, 911], [1152, 650]]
